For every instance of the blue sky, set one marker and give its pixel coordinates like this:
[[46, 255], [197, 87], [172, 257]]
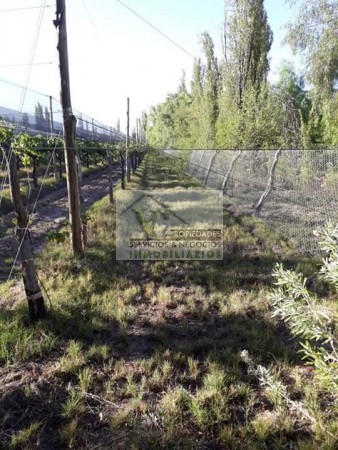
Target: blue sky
[[113, 54]]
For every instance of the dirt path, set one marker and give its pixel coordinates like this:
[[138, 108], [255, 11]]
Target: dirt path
[[50, 214]]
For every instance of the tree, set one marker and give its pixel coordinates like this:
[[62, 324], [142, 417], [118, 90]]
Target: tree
[[247, 42], [245, 97], [210, 91], [25, 120], [314, 34], [293, 85], [168, 123], [47, 122], [39, 118], [182, 86], [196, 116]]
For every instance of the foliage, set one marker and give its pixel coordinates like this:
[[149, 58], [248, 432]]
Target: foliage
[[314, 33], [231, 103], [313, 322], [57, 236], [247, 42], [168, 123]]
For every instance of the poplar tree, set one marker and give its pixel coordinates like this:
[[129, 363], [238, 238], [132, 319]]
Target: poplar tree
[[247, 42], [210, 91], [313, 34]]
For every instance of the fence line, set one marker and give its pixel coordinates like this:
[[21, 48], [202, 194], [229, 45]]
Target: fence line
[[294, 191]]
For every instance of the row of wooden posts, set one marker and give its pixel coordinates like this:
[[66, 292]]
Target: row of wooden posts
[[36, 303]]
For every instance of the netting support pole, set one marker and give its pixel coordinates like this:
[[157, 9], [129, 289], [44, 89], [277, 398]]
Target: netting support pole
[[69, 130]]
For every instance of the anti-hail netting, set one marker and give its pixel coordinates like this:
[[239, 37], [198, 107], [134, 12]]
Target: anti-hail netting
[[42, 114], [294, 191]]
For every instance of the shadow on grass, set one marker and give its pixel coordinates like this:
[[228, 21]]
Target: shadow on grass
[[176, 332], [202, 333]]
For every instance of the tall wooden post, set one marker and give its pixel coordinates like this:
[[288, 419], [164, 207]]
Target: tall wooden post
[[127, 141], [51, 114], [34, 295], [110, 168], [69, 130]]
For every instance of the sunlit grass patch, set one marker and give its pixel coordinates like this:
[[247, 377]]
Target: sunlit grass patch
[[27, 437]]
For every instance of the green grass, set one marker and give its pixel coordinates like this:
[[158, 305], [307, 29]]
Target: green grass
[[149, 355]]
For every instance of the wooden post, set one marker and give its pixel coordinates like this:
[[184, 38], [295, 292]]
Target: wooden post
[[110, 175], [110, 167], [69, 130], [51, 114], [52, 131], [127, 141], [34, 295], [123, 167]]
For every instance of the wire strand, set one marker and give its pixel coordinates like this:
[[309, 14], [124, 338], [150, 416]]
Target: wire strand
[[26, 64], [25, 87], [31, 213], [156, 29], [24, 8]]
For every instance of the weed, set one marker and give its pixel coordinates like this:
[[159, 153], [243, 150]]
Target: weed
[[74, 405], [85, 377], [74, 357], [27, 437]]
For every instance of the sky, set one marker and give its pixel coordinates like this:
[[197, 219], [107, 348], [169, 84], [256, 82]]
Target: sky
[[113, 54]]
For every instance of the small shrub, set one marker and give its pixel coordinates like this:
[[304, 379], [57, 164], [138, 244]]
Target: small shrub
[[312, 321]]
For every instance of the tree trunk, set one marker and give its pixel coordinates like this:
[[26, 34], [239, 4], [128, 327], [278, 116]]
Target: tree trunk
[[34, 295], [271, 180], [227, 176]]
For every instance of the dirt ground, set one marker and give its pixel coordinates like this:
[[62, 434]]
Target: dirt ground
[[50, 213]]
